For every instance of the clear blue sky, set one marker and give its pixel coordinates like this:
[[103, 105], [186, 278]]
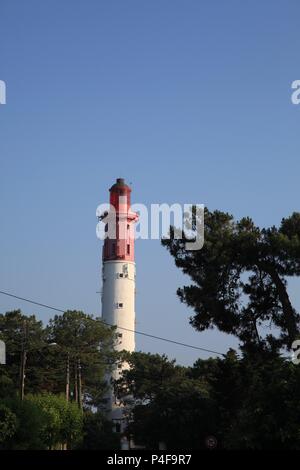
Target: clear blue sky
[[188, 100]]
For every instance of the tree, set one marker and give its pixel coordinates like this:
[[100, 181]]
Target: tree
[[98, 433], [169, 405], [29, 422], [8, 424], [74, 350], [85, 343], [63, 420], [257, 401], [25, 340], [239, 278], [249, 402]]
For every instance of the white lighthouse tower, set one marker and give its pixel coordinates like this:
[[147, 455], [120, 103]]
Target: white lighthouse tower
[[118, 293]]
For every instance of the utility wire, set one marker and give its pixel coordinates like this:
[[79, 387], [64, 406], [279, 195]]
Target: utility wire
[[160, 338], [31, 301]]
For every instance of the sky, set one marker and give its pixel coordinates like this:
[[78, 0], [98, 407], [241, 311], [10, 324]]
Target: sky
[[190, 101]]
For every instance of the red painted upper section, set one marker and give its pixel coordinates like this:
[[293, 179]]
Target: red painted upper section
[[120, 246]]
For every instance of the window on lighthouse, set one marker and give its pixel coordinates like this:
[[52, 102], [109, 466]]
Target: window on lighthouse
[[128, 249]]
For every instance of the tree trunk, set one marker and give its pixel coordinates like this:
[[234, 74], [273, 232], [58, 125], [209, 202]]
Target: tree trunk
[[75, 383], [288, 310], [79, 384]]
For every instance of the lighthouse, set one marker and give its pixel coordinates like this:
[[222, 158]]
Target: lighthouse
[[118, 291]]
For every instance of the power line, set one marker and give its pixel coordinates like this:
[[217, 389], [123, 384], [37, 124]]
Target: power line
[[160, 338], [32, 301], [172, 341]]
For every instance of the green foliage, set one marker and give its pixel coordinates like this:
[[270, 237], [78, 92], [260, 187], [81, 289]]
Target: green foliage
[[42, 421], [170, 405], [258, 406], [98, 433], [85, 338], [239, 278], [239, 283], [20, 331], [246, 403], [6, 383], [63, 420], [8, 424], [29, 423], [45, 419]]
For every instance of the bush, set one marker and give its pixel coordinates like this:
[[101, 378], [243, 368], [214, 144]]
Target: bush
[[63, 423], [8, 424], [98, 433]]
